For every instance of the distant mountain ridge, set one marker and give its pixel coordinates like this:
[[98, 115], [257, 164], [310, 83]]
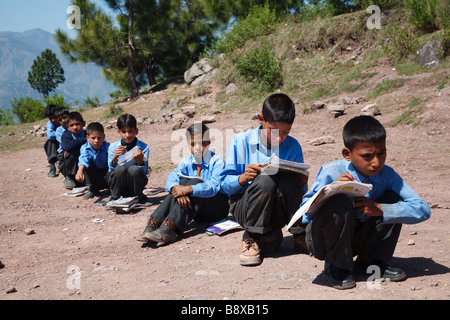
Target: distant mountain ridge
[[17, 53]]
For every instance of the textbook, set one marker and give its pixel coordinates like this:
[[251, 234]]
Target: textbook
[[222, 226], [127, 160], [190, 177], [352, 189], [76, 192], [122, 202], [274, 164]]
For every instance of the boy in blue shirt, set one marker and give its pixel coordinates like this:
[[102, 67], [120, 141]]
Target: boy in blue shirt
[[93, 160], [71, 142], [264, 203], [51, 145], [369, 228], [128, 180], [61, 113], [190, 198]]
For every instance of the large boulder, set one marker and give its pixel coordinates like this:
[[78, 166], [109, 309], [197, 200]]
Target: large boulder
[[428, 53], [200, 73]]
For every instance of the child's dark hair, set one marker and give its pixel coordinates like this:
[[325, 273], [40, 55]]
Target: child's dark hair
[[278, 107], [94, 127], [50, 110], [126, 120], [196, 129], [74, 115], [60, 111], [363, 129]]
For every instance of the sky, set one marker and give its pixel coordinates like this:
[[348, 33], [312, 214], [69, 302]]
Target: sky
[[23, 15]]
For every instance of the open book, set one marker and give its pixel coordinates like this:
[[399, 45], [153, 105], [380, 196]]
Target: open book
[[122, 202], [275, 164], [190, 177], [76, 192], [127, 160], [352, 189]]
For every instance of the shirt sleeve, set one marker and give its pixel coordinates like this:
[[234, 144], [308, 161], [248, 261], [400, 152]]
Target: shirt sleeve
[[84, 159], [409, 211], [234, 167], [51, 131]]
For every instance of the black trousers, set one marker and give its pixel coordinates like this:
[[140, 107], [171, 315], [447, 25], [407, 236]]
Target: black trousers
[[202, 209], [269, 203], [95, 178], [70, 164], [51, 150], [336, 235], [127, 182]]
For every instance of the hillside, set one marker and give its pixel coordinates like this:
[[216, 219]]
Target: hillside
[[71, 234], [17, 53]]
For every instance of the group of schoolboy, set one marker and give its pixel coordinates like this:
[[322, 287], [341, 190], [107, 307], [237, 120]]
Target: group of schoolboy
[[339, 230]]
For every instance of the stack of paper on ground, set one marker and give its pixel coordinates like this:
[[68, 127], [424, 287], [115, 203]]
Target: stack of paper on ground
[[222, 226], [76, 192], [276, 164], [123, 203], [190, 177], [352, 189], [127, 160]]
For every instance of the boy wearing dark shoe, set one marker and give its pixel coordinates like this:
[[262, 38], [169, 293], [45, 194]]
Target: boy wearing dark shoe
[[264, 203], [93, 160], [190, 199], [51, 145], [368, 228], [71, 142], [128, 178]]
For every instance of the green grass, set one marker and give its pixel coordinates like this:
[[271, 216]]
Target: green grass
[[385, 87]]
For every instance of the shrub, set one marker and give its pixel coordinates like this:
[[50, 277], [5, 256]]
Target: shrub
[[28, 109], [402, 42], [260, 67], [422, 13]]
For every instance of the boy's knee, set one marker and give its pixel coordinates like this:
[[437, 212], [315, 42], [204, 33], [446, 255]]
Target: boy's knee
[[134, 171]]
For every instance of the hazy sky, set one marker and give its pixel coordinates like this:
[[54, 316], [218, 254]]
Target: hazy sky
[[23, 15]]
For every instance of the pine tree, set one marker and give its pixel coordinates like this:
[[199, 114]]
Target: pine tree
[[46, 73]]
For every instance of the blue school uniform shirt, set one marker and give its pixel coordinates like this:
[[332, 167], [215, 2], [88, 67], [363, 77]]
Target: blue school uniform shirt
[[141, 145], [247, 148], [411, 210], [212, 165], [59, 132], [51, 130], [99, 157]]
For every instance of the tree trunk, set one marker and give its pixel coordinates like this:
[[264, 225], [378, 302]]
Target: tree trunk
[[149, 69], [131, 74]]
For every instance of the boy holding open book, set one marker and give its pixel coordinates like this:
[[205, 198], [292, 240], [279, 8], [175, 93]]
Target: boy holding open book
[[194, 191], [369, 227], [263, 203]]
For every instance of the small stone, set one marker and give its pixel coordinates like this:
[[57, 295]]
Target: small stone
[[29, 231], [411, 242], [10, 290]]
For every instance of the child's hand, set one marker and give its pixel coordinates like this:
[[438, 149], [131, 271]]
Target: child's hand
[[184, 202], [250, 174], [368, 207], [345, 177], [118, 152], [180, 191], [80, 175], [138, 155]]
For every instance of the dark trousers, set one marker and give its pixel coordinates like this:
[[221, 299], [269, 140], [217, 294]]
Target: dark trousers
[[95, 178], [51, 150], [336, 235], [70, 164], [202, 209], [269, 203], [127, 182]]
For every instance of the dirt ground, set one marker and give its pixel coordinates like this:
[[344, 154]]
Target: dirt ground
[[80, 251]]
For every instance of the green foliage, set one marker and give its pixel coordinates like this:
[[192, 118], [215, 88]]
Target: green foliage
[[91, 103], [260, 67], [261, 20], [28, 109], [422, 13], [46, 73], [115, 110], [402, 42], [6, 117]]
